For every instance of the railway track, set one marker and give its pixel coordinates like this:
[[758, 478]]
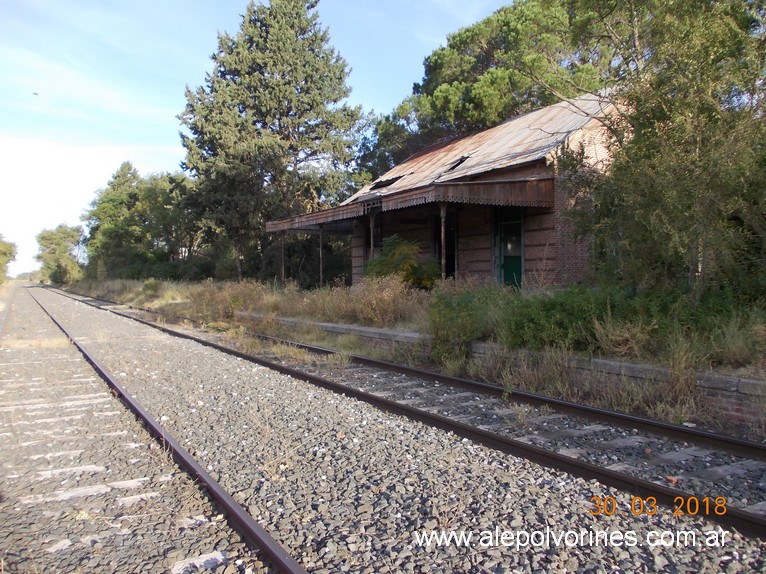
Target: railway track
[[685, 470], [253, 532], [344, 487], [698, 462], [83, 485]]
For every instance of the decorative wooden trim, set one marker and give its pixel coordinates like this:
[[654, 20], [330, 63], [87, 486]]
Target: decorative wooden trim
[[529, 192]]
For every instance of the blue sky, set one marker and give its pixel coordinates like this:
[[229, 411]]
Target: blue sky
[[88, 84]]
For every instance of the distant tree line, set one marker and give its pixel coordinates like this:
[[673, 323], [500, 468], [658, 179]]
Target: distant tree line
[[269, 135], [7, 254]]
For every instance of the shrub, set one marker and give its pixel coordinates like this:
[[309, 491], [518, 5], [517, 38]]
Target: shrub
[[151, 287], [536, 322], [459, 313], [740, 339], [403, 258], [380, 301], [622, 338]]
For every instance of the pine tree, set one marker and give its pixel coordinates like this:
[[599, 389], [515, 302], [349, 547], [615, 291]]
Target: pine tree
[[519, 59], [269, 134]]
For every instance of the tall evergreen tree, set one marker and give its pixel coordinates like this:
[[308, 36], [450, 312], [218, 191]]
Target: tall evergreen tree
[[519, 59], [269, 134], [116, 233]]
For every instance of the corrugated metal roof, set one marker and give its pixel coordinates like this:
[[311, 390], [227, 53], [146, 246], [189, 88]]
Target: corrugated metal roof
[[529, 137]]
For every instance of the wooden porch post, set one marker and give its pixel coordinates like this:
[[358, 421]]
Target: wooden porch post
[[282, 241], [372, 216], [443, 218], [321, 271]]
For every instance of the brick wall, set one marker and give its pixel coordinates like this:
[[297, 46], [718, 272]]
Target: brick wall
[[475, 242], [573, 255], [741, 400], [540, 247]]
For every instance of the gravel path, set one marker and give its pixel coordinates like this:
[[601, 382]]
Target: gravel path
[[351, 489], [83, 486]]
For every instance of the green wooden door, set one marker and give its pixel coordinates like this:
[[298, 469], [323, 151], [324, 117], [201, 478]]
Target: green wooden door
[[511, 252]]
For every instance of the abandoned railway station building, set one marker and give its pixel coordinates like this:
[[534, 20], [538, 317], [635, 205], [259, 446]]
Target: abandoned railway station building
[[489, 205]]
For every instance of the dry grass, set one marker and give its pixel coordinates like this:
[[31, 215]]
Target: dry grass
[[380, 301], [375, 301], [337, 360], [243, 341], [623, 339], [740, 343], [290, 352], [470, 309], [553, 375], [737, 341]]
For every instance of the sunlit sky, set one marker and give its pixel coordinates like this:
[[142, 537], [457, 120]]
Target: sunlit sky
[[89, 84]]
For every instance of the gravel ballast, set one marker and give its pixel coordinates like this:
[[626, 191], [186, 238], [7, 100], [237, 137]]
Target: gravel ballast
[[348, 488], [83, 486], [653, 457]]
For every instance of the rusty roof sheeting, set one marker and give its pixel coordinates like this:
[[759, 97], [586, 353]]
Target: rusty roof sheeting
[[529, 137]]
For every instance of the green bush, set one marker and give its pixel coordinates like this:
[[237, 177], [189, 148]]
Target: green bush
[[563, 319], [403, 258], [151, 287], [459, 313]]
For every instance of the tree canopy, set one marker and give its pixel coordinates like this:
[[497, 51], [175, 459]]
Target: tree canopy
[[143, 225], [269, 135], [7, 254], [58, 250], [683, 203], [521, 58]]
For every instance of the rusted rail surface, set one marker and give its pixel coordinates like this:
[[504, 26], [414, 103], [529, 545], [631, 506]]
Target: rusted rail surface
[[730, 444], [240, 520], [745, 522]]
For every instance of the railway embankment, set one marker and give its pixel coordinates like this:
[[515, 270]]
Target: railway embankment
[[739, 399], [349, 487]]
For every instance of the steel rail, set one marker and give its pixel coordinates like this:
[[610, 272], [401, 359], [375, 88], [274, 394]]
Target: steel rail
[[745, 522], [240, 520], [732, 445]]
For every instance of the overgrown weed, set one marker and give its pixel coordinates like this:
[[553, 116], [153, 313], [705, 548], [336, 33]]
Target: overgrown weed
[[290, 352], [461, 312], [552, 374], [660, 327]]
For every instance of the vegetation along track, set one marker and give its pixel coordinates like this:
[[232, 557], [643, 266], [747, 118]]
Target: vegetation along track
[[686, 470], [346, 486]]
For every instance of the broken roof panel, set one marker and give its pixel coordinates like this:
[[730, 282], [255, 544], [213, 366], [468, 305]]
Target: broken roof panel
[[523, 139]]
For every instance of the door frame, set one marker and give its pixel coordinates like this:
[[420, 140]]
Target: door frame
[[504, 216]]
